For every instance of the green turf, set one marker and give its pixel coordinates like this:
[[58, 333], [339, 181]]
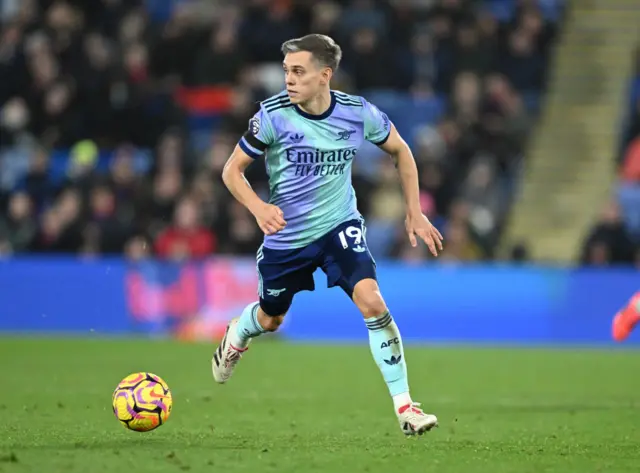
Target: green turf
[[297, 408]]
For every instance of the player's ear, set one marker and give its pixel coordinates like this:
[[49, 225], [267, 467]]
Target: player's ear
[[327, 73]]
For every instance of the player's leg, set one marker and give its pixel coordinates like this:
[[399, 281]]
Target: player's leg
[[253, 322], [385, 342], [265, 315], [626, 320], [281, 274], [349, 264]]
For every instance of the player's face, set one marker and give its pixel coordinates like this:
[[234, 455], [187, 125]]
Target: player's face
[[304, 77]]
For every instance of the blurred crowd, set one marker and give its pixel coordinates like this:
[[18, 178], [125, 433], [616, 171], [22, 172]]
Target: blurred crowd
[[615, 238], [116, 116]]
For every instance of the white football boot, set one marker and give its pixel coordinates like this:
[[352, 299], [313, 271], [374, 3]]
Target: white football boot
[[413, 421], [226, 356]]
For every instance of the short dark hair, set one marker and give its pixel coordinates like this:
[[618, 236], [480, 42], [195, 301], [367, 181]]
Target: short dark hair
[[323, 49]]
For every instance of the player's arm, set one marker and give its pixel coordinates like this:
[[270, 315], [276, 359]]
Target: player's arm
[[402, 156], [252, 145], [416, 222], [381, 132]]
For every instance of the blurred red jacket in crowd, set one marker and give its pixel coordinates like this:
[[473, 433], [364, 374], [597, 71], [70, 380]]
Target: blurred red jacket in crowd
[[176, 243]]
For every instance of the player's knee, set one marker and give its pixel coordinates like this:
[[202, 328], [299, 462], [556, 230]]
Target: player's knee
[[372, 305], [272, 312], [270, 323], [368, 298]]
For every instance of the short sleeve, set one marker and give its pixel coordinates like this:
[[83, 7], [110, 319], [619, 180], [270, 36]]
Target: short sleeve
[[259, 135], [377, 125]]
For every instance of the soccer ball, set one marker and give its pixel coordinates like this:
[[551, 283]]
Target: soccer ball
[[142, 402]]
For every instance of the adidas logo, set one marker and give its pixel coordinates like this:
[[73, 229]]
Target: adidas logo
[[296, 137], [394, 360]]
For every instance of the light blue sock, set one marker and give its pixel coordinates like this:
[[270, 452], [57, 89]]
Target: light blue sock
[[386, 348], [248, 326]]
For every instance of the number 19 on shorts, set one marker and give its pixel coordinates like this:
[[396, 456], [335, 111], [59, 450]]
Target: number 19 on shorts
[[353, 235]]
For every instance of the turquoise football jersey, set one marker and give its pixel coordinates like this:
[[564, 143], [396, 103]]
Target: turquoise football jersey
[[308, 160]]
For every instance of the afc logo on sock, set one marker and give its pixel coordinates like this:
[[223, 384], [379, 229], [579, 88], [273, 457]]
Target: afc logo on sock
[[388, 343]]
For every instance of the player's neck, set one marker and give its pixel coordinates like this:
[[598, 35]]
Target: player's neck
[[317, 105]]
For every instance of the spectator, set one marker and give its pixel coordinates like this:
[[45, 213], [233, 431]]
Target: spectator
[[108, 232], [137, 248], [629, 190], [523, 64], [220, 62], [470, 53], [185, 238], [369, 61], [19, 227], [608, 242], [630, 173]]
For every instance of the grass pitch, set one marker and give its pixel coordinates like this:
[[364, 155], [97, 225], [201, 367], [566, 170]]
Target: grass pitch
[[297, 408]]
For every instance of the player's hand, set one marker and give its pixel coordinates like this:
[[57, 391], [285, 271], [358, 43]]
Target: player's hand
[[420, 225], [270, 219]]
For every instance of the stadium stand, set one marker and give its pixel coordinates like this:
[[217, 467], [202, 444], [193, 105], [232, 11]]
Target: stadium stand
[[117, 116], [615, 238], [569, 177]]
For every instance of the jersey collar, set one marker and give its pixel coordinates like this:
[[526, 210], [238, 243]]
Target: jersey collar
[[322, 116]]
